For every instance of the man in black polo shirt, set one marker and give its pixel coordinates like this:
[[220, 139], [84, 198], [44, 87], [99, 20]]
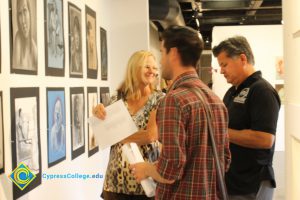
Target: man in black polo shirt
[[253, 107]]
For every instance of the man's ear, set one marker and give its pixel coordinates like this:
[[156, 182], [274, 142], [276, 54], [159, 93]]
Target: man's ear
[[173, 51], [244, 58]]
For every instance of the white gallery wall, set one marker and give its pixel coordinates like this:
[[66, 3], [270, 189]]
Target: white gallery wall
[[291, 27], [155, 43], [266, 42], [127, 26]]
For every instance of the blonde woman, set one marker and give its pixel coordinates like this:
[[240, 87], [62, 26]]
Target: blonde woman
[[139, 94]]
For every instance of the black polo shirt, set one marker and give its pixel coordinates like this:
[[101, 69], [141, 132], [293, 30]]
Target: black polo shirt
[[253, 105]]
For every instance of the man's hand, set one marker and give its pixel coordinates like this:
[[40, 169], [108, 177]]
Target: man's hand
[[144, 170], [139, 170]]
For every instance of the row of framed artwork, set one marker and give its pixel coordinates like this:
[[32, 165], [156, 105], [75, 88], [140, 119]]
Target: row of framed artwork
[[23, 40], [25, 127]]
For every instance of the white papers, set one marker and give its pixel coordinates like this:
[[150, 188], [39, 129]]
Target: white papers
[[133, 155], [117, 125]]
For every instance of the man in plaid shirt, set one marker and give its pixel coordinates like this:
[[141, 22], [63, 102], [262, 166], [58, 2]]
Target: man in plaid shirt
[[186, 167]]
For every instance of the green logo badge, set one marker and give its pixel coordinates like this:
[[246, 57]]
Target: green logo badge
[[22, 176]]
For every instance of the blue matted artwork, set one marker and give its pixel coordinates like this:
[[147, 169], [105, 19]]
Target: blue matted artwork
[[56, 126], [54, 38]]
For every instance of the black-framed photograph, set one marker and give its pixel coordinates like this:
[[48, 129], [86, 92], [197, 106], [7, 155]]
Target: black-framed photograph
[[75, 41], [25, 134], [77, 121], [54, 38], [104, 96], [23, 37], [104, 64], [2, 160], [91, 48], [92, 101], [56, 125]]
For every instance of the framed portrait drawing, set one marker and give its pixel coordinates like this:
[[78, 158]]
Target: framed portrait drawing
[[279, 65], [91, 48], [103, 42], [92, 101], [77, 121], [2, 163], [23, 37], [25, 134], [75, 41], [56, 125], [54, 38], [104, 96]]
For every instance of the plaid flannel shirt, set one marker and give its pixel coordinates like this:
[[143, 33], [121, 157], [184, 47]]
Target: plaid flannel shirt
[[187, 155]]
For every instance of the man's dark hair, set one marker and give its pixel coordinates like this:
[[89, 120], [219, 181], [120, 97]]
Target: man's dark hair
[[188, 42], [235, 46]]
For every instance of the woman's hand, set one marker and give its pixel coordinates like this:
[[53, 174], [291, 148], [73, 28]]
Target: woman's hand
[[99, 111]]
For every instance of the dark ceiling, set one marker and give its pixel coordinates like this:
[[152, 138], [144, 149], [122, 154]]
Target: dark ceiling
[[203, 15]]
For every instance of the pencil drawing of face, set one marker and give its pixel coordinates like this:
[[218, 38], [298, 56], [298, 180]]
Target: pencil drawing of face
[[91, 42], [55, 33], [24, 43], [92, 103], [26, 132], [76, 47], [58, 129], [77, 126], [75, 41], [23, 14], [57, 126], [103, 54]]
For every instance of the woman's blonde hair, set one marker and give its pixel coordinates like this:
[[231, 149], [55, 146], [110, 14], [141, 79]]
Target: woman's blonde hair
[[129, 89]]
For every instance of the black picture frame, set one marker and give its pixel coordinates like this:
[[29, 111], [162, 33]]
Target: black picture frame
[[91, 41], [54, 38], [75, 35], [92, 101], [56, 125], [104, 58], [25, 134], [104, 96], [23, 58], [2, 154], [77, 110]]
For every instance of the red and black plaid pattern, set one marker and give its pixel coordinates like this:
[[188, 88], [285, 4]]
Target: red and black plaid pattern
[[187, 156]]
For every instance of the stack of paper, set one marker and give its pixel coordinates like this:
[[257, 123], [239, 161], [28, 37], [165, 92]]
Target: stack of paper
[[133, 155], [117, 125]]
